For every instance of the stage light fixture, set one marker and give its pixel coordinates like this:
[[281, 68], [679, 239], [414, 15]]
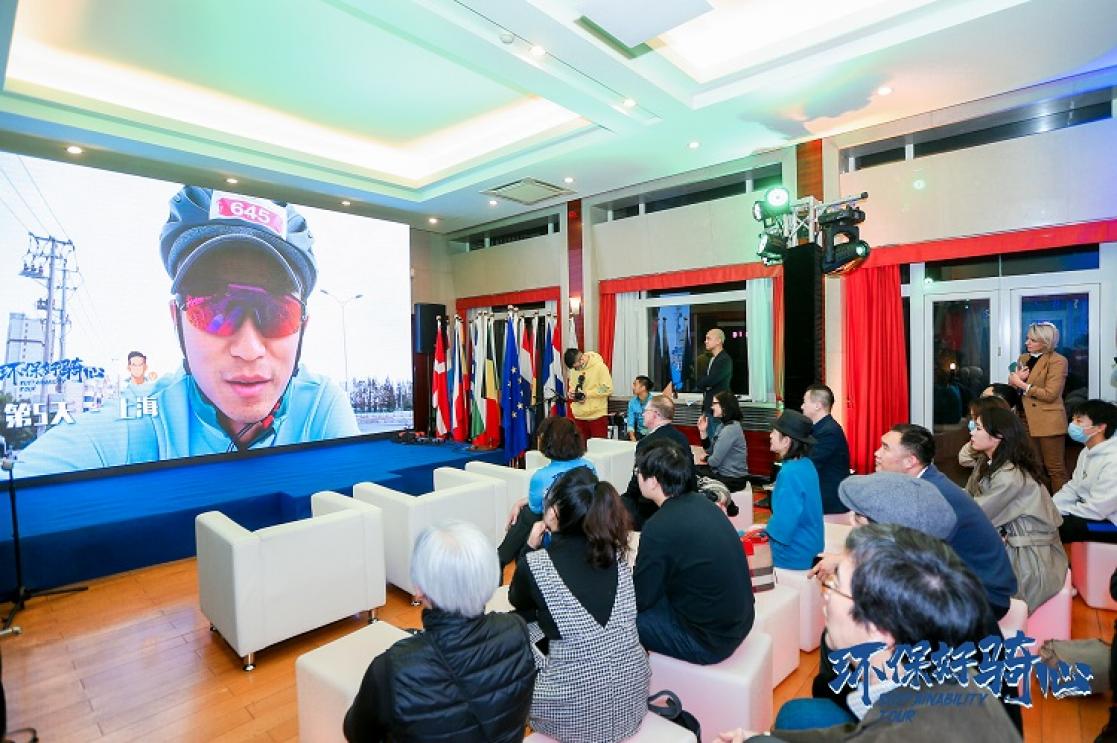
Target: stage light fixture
[[772, 248], [842, 246], [776, 203]]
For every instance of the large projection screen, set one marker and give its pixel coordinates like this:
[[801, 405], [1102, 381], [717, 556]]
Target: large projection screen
[[85, 285]]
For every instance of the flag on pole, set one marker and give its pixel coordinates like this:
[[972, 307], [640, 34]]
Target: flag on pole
[[477, 388], [440, 403], [556, 385], [491, 435], [457, 382], [527, 370], [513, 411]]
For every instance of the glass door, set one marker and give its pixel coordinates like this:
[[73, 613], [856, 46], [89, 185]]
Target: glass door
[[1074, 309], [959, 353]]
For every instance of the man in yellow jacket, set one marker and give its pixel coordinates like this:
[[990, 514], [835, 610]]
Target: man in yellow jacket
[[590, 385]]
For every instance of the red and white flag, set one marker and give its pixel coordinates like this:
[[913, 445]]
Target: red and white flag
[[440, 401]]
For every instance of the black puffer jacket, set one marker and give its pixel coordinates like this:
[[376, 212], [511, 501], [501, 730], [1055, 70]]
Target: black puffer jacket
[[409, 693]]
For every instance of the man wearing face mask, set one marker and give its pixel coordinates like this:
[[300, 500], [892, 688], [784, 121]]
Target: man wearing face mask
[[241, 270], [1088, 502]]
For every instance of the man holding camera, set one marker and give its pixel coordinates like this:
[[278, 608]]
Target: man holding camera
[[590, 384]]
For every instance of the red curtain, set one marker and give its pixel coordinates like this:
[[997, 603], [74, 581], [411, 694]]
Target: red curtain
[[606, 327], [690, 277], [513, 298], [876, 373]]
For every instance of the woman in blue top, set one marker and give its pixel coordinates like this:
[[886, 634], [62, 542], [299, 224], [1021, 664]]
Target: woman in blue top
[[795, 529], [560, 442]]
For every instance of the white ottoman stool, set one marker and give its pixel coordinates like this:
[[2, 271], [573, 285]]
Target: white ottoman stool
[[777, 615], [734, 693], [327, 679], [1091, 564], [1051, 621], [499, 602], [836, 518], [811, 619], [654, 729], [835, 536]]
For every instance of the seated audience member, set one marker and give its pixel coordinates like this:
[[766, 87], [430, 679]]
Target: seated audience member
[[469, 675], [1088, 502], [830, 452], [910, 450], [693, 589], [560, 442], [897, 586], [1005, 483], [634, 416], [1004, 391], [795, 528], [593, 679], [728, 458], [658, 414]]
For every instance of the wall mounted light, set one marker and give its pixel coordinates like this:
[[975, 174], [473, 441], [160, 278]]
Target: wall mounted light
[[575, 305]]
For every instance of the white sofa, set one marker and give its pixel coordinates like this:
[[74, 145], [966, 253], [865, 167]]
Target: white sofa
[[516, 485], [457, 495], [258, 588]]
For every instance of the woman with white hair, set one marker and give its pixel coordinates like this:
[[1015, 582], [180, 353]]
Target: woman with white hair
[[470, 675], [1040, 376]]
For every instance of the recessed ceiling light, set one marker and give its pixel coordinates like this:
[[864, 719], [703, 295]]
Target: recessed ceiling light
[[629, 103], [492, 202], [538, 51], [568, 179], [694, 145], [232, 181], [884, 90], [507, 37], [346, 202], [74, 149], [433, 220]]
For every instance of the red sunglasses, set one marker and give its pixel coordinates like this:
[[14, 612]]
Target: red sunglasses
[[275, 315]]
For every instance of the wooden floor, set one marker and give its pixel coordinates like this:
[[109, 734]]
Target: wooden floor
[[133, 659]]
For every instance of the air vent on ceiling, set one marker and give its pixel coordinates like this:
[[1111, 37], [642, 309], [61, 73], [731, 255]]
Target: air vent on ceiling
[[528, 191]]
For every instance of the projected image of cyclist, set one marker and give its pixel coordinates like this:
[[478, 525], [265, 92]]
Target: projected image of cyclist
[[241, 270]]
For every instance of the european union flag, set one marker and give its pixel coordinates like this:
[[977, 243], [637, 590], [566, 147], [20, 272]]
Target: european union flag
[[513, 408]]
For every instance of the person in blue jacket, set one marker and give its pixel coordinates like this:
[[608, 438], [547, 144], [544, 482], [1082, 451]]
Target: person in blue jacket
[[241, 270], [795, 528]]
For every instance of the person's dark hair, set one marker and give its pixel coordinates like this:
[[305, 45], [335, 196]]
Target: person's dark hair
[[1099, 412], [670, 464], [591, 506], [822, 394], [915, 587], [1006, 392], [645, 382], [796, 450], [134, 355], [730, 408], [984, 404], [560, 440], [1015, 447], [919, 442], [570, 357]]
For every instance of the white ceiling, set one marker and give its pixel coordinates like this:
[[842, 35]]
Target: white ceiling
[[411, 109]]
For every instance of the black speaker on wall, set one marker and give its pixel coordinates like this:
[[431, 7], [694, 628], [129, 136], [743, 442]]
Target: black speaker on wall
[[802, 324], [425, 326]]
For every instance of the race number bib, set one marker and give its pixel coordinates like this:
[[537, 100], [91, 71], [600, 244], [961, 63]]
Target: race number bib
[[259, 212]]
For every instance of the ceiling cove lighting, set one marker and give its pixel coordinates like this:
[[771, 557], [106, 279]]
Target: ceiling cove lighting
[[74, 149], [346, 202], [232, 181], [629, 103], [538, 51]]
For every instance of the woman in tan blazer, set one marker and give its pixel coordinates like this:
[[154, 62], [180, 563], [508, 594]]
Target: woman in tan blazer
[[1040, 377]]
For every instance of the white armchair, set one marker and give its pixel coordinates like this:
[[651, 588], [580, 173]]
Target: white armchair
[[614, 460], [405, 516], [516, 485], [260, 587]]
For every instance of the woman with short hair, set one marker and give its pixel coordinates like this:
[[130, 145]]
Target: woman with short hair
[[1040, 377], [1006, 484], [578, 593], [469, 676], [562, 443], [795, 528]]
